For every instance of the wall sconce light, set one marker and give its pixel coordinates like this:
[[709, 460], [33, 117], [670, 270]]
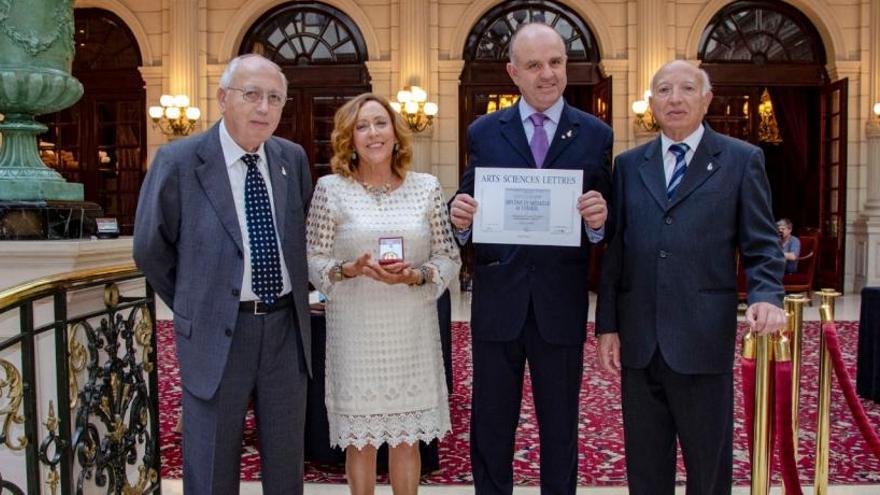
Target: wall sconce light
[[413, 106], [877, 112], [174, 117], [644, 118]]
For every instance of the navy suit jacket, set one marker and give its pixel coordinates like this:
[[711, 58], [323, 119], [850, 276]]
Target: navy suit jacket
[[669, 275], [188, 244], [554, 279]]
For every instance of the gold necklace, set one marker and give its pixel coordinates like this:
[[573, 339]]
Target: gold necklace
[[376, 191]]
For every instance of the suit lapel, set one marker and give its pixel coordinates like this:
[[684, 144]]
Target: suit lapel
[[702, 166], [214, 179], [566, 132], [512, 130], [652, 173], [278, 175]]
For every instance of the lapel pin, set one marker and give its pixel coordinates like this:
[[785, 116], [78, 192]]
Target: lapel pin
[[567, 134], [284, 170], [709, 167]]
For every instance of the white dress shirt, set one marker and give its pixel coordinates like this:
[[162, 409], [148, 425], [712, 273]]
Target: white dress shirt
[[237, 171], [669, 157], [554, 113]]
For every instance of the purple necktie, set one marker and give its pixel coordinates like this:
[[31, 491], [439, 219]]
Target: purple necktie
[[539, 144]]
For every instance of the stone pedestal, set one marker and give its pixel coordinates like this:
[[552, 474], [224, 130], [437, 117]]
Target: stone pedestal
[[47, 220], [21, 261]]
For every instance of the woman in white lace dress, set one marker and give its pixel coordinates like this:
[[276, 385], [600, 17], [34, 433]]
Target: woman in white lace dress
[[385, 381]]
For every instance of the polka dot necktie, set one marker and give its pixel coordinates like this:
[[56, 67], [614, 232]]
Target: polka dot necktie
[[679, 150], [266, 281]]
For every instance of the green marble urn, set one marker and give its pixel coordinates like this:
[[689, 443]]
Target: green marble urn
[[36, 53]]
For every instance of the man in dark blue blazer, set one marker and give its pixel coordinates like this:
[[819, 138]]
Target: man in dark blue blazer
[[220, 236], [530, 302], [667, 312]]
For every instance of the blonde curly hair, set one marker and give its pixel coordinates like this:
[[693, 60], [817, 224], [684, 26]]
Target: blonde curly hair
[[343, 137]]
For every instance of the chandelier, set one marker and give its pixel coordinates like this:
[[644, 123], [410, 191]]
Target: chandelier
[[768, 129], [413, 106], [174, 118]]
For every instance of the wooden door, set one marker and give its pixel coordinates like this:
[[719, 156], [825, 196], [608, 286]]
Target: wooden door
[[308, 120], [832, 183]]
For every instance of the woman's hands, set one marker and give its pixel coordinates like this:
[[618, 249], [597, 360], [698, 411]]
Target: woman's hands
[[399, 272]]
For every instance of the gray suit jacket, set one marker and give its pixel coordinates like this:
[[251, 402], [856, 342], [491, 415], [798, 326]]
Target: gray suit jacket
[[188, 243], [669, 275]]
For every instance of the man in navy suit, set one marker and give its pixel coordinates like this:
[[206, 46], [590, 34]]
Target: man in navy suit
[[220, 236], [682, 205], [530, 302]]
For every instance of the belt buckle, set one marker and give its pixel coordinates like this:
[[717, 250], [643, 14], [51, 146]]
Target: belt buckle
[[257, 308]]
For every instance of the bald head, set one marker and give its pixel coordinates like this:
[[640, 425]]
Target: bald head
[[531, 33], [683, 67], [537, 65], [680, 97]]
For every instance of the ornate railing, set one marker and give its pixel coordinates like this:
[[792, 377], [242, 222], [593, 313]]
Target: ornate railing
[[78, 385]]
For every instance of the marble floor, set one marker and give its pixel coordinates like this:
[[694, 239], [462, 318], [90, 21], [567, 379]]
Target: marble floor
[[846, 308]]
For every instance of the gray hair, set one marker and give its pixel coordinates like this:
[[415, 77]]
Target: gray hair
[[232, 66], [707, 85], [784, 222]]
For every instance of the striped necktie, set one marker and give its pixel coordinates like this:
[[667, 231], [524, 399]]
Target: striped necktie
[[266, 280], [679, 150]]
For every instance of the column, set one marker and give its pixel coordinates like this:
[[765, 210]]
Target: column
[[867, 228], [414, 68], [183, 50], [651, 53]]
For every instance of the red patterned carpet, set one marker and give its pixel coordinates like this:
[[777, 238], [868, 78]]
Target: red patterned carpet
[[601, 446]]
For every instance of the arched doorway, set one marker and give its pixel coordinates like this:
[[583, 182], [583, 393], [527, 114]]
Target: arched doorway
[[485, 85], [101, 140], [760, 50], [323, 55]]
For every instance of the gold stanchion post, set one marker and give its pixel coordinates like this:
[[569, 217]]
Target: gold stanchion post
[[823, 427], [794, 307], [762, 430]]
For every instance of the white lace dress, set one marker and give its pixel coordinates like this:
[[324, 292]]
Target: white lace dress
[[385, 381]]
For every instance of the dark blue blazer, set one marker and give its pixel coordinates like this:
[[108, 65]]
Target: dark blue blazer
[[554, 279], [669, 275]]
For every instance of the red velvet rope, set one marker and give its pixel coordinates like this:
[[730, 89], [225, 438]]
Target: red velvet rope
[[747, 369], [784, 427], [843, 378]]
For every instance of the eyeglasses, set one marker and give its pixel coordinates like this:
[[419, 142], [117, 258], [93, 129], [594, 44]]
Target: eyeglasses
[[256, 96]]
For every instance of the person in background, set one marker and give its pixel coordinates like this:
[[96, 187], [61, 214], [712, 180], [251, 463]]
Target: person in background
[[385, 381], [791, 245]]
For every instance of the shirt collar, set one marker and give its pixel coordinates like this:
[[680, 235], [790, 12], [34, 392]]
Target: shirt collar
[[232, 152], [554, 113], [692, 141]]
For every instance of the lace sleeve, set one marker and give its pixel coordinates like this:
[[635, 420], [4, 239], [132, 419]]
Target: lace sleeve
[[445, 259], [320, 236]]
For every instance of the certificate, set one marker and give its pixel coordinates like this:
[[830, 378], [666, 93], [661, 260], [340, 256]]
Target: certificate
[[527, 206]]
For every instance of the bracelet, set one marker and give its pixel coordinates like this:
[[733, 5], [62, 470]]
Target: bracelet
[[337, 273], [426, 273]]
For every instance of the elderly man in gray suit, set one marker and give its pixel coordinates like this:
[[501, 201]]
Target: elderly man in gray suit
[[220, 236], [682, 205]]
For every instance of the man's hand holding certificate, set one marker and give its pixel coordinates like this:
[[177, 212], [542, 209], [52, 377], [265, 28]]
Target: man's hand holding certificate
[[528, 206]]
